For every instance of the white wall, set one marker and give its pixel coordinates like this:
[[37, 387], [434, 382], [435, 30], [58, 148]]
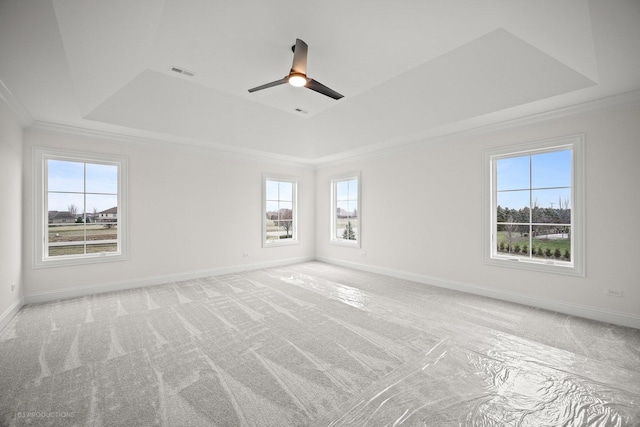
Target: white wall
[[439, 236], [10, 214], [191, 213], [194, 212]]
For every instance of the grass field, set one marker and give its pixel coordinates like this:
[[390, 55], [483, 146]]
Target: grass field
[[79, 249], [60, 234], [560, 244], [275, 232]]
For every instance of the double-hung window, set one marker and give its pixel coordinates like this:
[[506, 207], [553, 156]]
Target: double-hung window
[[279, 210], [345, 210], [80, 214], [535, 206]]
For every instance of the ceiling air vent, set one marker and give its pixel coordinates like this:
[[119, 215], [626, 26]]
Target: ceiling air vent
[[183, 71]]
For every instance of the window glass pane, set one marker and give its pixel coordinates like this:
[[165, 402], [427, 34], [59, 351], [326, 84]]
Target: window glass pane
[[285, 229], [342, 209], [350, 229], [65, 176], [271, 188], [342, 190], [69, 204], [513, 239], [272, 228], [102, 178], [102, 246], [353, 189], [513, 206], [341, 224], [99, 203], [65, 238], [353, 209], [552, 242], [102, 226], [272, 209], [552, 206], [286, 190], [66, 249], [551, 169], [286, 208], [512, 173]]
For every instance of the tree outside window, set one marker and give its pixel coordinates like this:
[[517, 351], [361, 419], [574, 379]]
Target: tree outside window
[[279, 207]]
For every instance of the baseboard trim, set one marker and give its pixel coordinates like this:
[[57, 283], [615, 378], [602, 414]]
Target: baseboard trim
[[621, 319], [40, 297], [10, 313]]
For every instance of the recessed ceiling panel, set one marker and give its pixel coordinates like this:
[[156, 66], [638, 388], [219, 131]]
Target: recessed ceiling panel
[[174, 106], [406, 72], [493, 73], [106, 43]]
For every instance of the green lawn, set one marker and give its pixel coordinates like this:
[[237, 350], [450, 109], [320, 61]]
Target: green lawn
[[76, 233], [562, 245]]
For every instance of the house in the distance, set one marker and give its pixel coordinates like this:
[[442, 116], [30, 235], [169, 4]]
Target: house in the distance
[[110, 215], [60, 217]]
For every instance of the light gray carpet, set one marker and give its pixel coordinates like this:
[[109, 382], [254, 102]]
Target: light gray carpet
[[312, 344]]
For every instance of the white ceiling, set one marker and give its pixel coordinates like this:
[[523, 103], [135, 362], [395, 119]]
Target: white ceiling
[[408, 70]]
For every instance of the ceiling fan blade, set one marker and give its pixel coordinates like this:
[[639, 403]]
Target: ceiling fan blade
[[272, 84], [300, 57], [320, 88]]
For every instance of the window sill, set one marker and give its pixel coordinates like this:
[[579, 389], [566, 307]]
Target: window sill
[[80, 260], [283, 242], [548, 266], [346, 243]]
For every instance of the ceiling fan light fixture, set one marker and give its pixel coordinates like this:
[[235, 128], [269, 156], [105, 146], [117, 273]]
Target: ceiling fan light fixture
[[298, 75], [297, 79]]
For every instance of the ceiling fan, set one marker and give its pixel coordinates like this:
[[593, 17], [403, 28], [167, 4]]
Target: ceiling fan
[[298, 74]]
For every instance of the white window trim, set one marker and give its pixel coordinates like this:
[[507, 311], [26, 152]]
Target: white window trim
[[295, 240], [332, 226], [577, 266], [41, 219]]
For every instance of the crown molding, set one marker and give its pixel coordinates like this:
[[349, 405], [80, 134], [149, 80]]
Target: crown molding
[[475, 126], [21, 113], [471, 127], [186, 144]]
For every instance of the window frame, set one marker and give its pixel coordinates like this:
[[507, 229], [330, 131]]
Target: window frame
[[575, 267], [295, 239], [334, 205], [41, 218]]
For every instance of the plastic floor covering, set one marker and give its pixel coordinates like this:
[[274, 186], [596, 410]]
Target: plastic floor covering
[[312, 345]]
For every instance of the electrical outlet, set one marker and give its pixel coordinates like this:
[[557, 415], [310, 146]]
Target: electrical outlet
[[613, 293], [364, 254], [245, 254], [13, 287]]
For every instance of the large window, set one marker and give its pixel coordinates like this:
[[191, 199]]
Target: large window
[[536, 207], [279, 219], [80, 216], [345, 210]]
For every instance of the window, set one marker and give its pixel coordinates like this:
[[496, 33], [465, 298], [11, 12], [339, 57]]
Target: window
[[79, 211], [536, 206], [279, 219], [345, 210]]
